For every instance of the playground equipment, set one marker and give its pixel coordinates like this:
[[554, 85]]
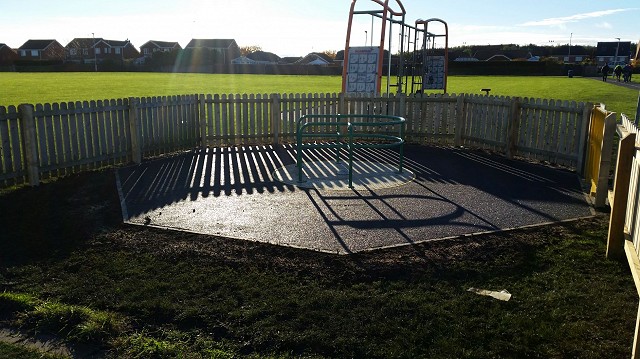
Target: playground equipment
[[413, 69], [322, 124]]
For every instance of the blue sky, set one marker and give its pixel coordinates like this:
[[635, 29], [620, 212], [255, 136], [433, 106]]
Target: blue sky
[[297, 27]]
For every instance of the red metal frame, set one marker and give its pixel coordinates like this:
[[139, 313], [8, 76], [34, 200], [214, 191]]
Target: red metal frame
[[385, 16]]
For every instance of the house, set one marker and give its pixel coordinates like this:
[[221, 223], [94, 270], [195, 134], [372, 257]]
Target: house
[[316, 58], [80, 50], [228, 49], [490, 54], [116, 50], [566, 54], [263, 57], [41, 50], [606, 52], [7, 55], [289, 60], [88, 50], [243, 60], [153, 46]]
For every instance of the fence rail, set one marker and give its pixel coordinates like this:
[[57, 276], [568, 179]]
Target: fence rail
[[50, 140]]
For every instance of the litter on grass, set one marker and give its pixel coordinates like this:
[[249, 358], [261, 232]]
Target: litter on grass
[[501, 295]]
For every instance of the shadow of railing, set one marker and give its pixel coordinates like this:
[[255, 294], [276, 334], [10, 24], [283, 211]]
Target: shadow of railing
[[535, 194]]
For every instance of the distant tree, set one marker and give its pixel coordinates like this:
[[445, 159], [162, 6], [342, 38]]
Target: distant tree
[[330, 53], [244, 50]]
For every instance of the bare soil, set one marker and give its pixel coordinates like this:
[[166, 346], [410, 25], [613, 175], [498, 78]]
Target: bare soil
[[81, 210]]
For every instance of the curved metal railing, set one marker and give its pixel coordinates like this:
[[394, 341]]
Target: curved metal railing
[[345, 140]]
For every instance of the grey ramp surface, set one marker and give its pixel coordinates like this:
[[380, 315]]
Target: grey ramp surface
[[232, 192]]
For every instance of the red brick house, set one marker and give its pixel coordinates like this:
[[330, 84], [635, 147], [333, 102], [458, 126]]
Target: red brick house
[[41, 50], [7, 55], [153, 46], [80, 50], [88, 50]]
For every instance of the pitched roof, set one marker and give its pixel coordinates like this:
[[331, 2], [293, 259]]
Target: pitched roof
[[316, 58], [289, 60], [117, 43], [263, 56], [609, 48], [162, 44], [212, 43], [36, 44], [83, 42]]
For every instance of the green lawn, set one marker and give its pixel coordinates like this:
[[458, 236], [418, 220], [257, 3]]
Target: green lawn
[[62, 87]]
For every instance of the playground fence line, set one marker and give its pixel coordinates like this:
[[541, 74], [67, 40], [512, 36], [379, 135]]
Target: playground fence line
[[51, 140]]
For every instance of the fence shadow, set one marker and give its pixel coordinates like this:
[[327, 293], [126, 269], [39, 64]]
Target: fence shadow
[[218, 171]]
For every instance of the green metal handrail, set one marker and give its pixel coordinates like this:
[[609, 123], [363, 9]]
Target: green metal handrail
[[350, 145]]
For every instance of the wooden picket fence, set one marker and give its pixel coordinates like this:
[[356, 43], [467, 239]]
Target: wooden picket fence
[[624, 222], [51, 140]]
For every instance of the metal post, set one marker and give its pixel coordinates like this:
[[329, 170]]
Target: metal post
[[95, 57], [569, 56]]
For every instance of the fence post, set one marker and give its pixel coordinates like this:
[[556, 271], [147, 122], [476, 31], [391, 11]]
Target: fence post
[[202, 118], [275, 117], [29, 143], [135, 132], [341, 102], [602, 188], [513, 127], [459, 120], [626, 149], [582, 144], [402, 105]]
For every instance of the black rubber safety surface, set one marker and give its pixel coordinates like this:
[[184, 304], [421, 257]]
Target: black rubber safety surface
[[232, 192]]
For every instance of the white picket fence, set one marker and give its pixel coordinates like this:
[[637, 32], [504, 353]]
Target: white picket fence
[[51, 140]]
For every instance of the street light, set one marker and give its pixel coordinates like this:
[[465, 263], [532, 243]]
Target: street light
[[615, 60], [95, 58], [569, 56]]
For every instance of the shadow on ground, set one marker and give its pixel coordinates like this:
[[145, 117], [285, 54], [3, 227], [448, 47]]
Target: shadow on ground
[[232, 192]]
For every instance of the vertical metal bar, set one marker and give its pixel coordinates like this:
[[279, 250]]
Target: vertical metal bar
[[350, 126], [401, 147]]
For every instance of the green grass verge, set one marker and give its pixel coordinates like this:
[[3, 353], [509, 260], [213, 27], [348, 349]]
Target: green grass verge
[[16, 351], [72, 322], [63, 87]]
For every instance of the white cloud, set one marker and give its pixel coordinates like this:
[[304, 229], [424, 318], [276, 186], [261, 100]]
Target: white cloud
[[604, 25], [560, 21]]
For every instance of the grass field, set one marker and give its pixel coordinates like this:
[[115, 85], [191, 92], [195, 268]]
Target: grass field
[[34, 88]]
